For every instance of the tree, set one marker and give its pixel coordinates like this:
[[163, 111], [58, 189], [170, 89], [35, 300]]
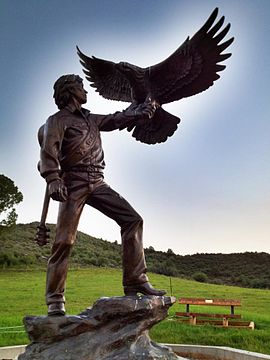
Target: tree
[[9, 196]]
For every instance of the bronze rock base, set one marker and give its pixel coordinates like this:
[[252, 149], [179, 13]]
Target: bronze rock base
[[114, 328]]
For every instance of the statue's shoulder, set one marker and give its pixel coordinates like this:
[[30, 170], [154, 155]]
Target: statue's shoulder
[[58, 114], [56, 117], [41, 134]]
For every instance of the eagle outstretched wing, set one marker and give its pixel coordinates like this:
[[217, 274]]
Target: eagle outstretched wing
[[103, 75], [191, 69]]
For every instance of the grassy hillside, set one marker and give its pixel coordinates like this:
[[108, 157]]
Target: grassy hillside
[[22, 293], [247, 269]]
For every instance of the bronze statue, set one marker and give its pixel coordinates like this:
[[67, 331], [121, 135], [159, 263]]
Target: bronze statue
[[191, 69], [72, 160]]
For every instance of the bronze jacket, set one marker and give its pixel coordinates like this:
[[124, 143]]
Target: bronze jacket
[[71, 139]]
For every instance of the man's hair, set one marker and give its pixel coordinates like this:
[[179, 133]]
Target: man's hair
[[62, 87]]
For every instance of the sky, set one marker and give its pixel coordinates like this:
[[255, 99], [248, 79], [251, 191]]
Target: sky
[[207, 188]]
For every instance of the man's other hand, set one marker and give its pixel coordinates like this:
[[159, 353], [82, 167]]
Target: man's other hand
[[58, 190]]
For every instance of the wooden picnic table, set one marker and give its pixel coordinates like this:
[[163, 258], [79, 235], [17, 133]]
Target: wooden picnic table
[[195, 317], [209, 302]]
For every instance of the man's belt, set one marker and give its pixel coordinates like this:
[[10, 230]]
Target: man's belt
[[84, 168]]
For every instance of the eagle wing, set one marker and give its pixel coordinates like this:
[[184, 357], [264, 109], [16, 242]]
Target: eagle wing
[[193, 67], [105, 78]]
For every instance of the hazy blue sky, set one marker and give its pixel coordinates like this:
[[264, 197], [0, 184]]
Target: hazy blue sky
[[207, 189]]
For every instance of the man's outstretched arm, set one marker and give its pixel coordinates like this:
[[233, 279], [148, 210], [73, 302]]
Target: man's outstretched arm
[[129, 117]]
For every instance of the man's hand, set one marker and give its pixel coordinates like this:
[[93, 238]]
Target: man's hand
[[147, 108], [58, 191]]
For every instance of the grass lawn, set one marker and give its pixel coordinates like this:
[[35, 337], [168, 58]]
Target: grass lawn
[[22, 293]]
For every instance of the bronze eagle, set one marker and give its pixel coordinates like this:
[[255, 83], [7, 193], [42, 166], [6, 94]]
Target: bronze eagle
[[191, 69]]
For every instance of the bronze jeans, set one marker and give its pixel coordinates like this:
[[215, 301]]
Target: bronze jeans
[[100, 196]]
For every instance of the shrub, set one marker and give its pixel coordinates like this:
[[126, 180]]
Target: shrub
[[200, 276]]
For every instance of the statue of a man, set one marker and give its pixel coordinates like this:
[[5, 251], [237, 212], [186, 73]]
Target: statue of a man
[[72, 162]]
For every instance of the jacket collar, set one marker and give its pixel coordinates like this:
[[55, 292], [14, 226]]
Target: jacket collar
[[72, 108]]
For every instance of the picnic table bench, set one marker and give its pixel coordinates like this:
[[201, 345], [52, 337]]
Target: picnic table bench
[[225, 319]]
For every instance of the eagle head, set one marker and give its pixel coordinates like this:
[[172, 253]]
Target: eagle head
[[135, 76], [125, 68]]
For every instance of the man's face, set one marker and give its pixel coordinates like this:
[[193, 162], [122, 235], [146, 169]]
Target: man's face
[[79, 93]]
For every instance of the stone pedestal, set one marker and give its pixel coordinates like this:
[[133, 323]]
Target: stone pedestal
[[113, 329]]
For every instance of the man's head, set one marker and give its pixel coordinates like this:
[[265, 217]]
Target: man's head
[[69, 88]]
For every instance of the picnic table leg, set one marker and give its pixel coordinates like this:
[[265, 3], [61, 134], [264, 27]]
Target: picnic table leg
[[232, 309], [192, 320]]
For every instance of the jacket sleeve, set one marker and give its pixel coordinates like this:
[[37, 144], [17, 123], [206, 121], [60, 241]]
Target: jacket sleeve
[[120, 120], [50, 138]]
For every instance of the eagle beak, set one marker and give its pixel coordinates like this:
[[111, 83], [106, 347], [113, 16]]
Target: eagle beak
[[122, 67], [119, 67]]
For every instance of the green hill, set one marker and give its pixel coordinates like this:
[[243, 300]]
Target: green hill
[[243, 269]]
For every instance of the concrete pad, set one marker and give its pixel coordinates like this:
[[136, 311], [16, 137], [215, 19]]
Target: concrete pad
[[11, 352], [215, 353], [206, 352]]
